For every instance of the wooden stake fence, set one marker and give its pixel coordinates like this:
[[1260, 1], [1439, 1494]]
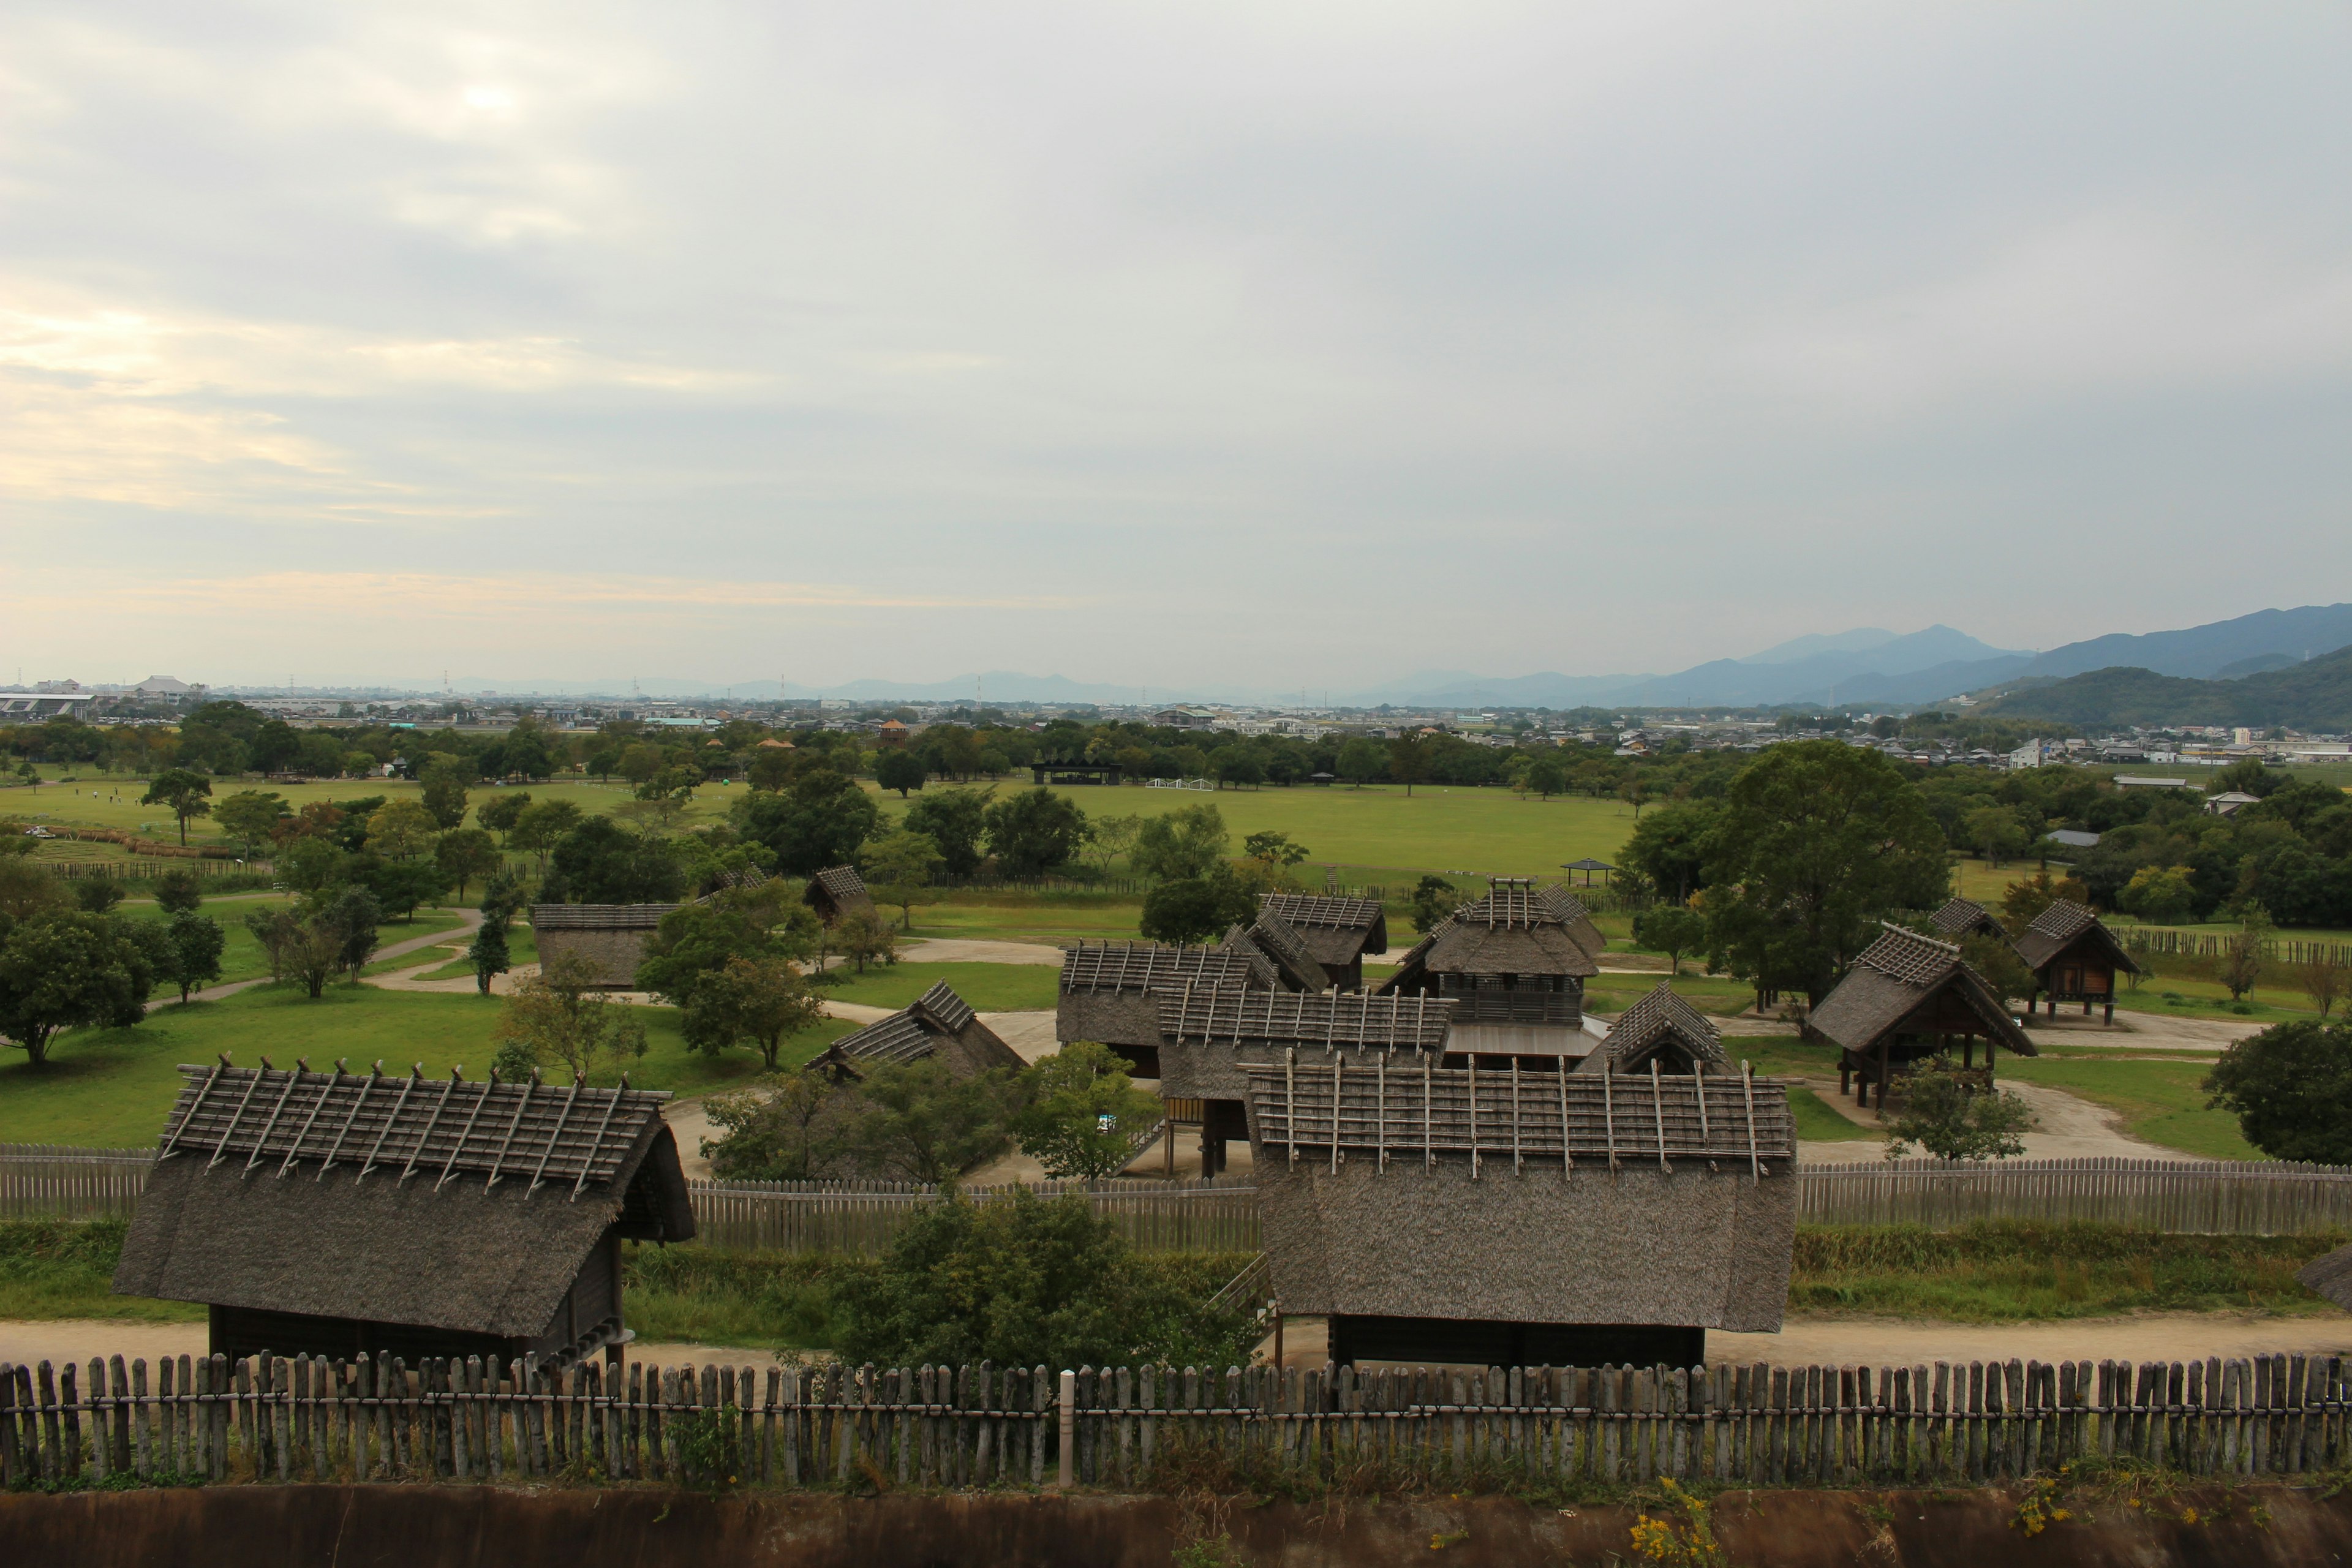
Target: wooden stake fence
[[263, 1419], [2232, 1197], [54, 1181], [863, 1217]]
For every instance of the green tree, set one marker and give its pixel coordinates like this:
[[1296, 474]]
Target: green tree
[[1951, 1120], [178, 892], [312, 862], [186, 792], [1634, 789], [539, 826], [402, 829], [2244, 956], [250, 816], [1994, 832], [757, 1000], [1673, 929], [1362, 760], [1993, 959], [1033, 831], [957, 821], [1544, 775], [783, 1128], [2025, 899], [898, 866], [1818, 843], [917, 1121], [489, 953], [2160, 895], [98, 894], [1670, 846], [466, 854], [193, 955], [559, 1016], [444, 795], [1409, 761], [402, 886], [602, 862], [1080, 1112], [500, 814], [2290, 1087], [863, 938], [69, 969], [1198, 908], [820, 819], [900, 769], [1180, 844], [1434, 899], [1272, 848]]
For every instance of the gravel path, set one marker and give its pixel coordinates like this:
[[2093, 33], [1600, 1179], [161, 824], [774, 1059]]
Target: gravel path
[[468, 919]]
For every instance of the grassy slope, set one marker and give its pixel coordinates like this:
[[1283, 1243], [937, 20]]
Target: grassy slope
[[113, 1087], [987, 987]]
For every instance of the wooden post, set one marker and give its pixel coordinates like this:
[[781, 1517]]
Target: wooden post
[[1067, 1409]]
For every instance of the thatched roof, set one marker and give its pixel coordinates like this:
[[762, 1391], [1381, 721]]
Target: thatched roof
[[1516, 928], [1273, 937], [1336, 930], [1148, 966], [938, 1022], [1963, 916], [1896, 977], [2330, 1275], [1659, 1022], [2062, 925], [436, 1203], [842, 886], [598, 916], [1330, 1020]]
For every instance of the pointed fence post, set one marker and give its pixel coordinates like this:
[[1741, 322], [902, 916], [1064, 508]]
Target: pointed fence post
[[1067, 1406]]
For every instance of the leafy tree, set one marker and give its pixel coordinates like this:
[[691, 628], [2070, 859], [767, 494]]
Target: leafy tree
[[69, 969], [783, 1128], [312, 862], [1237, 765], [250, 816], [688, 962], [1670, 846], [1362, 760], [957, 821], [2160, 895], [1994, 832], [900, 769], [1035, 830], [758, 1001], [444, 795], [1270, 848], [352, 916], [402, 829], [276, 746], [1634, 789], [489, 953], [1108, 838], [178, 892], [602, 862], [1544, 775], [1081, 1113], [863, 938], [2290, 1087], [2249, 775], [98, 894], [1433, 900], [2242, 962], [1409, 761], [559, 1016], [186, 792], [898, 866], [1819, 841], [1952, 1121], [1997, 962], [539, 826], [1197, 909], [1180, 844], [820, 819], [403, 885], [2325, 981], [918, 1121], [2024, 901], [466, 854], [193, 956], [500, 814], [1671, 929], [770, 768]]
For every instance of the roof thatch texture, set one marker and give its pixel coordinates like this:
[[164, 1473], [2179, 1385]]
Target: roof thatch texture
[[1665, 1027], [938, 1023], [1899, 976], [1439, 1192], [465, 1206], [1206, 1034], [1150, 965], [2064, 924], [1962, 916], [598, 916], [1516, 928], [1336, 930], [2330, 1275], [841, 888], [1273, 938]]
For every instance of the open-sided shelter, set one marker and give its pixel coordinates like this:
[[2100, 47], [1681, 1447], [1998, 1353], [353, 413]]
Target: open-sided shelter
[[336, 1213], [2075, 957], [610, 937], [1450, 1215], [1338, 931], [1664, 1030], [1966, 917], [837, 892], [1514, 961], [1909, 996], [1278, 942], [938, 1023], [1110, 990]]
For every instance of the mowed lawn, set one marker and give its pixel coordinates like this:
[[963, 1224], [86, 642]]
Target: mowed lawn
[[986, 987], [113, 1087], [241, 954]]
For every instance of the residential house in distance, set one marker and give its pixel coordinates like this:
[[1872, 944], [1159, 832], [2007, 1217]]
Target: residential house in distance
[[1338, 931], [938, 1023], [610, 938], [2230, 802], [1280, 944], [838, 891], [1450, 1215], [1909, 998], [2075, 957], [335, 1214]]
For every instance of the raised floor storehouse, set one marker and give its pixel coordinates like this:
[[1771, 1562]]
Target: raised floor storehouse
[[837, 892], [2075, 957], [1906, 998], [335, 1213], [1515, 963], [610, 937], [1338, 931], [1450, 1215]]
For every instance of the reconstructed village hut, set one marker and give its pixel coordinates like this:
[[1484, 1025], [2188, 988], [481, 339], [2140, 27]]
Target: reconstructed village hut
[[335, 1213], [938, 1023], [836, 891], [1278, 942], [1338, 931], [2331, 1276], [1966, 917], [2075, 957], [1660, 1028], [1909, 996], [1109, 991], [1515, 963], [1207, 1033], [1450, 1215], [612, 938]]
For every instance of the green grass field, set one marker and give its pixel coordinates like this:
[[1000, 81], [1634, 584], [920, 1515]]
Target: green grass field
[[987, 987], [1820, 1123], [2158, 1100], [241, 956], [112, 1088]]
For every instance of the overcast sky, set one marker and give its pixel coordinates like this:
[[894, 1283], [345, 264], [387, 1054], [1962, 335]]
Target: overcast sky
[[1174, 343]]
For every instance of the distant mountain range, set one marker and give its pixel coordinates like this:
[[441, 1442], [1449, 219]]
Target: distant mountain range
[[2314, 695]]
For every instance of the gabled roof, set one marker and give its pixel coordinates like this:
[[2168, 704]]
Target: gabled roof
[[942, 1007], [1654, 1021], [2330, 1275], [1894, 976], [1330, 1019], [467, 1206], [1961, 916], [842, 886], [597, 916], [932, 1023], [1296, 967], [1150, 965], [1336, 930], [1515, 929], [2060, 927]]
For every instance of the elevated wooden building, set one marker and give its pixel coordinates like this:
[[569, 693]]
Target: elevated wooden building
[[1441, 1214], [1908, 997], [1661, 1029], [938, 1023], [838, 891], [2075, 957], [1514, 963], [610, 937], [1110, 990], [336, 1213], [1338, 931]]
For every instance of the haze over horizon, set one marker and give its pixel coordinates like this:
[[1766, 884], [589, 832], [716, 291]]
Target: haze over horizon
[[1286, 345]]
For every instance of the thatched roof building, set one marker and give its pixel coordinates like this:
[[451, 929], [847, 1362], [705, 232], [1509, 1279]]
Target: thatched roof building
[[1906, 998], [2330, 1275], [938, 1023], [2075, 957], [837, 892], [610, 938], [1966, 917], [1280, 944], [1206, 1033], [1437, 1213], [1109, 991], [1338, 931], [333, 1213], [1515, 959], [1664, 1030]]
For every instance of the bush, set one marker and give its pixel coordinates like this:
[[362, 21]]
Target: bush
[[2291, 1089]]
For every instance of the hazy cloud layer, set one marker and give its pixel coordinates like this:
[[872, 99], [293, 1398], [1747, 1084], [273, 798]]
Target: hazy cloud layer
[[1154, 343]]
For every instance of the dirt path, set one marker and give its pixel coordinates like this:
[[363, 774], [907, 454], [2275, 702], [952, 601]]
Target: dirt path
[[467, 919], [2066, 1127]]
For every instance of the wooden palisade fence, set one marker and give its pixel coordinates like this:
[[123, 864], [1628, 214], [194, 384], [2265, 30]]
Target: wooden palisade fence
[[208, 1418], [56, 1180], [2234, 1197], [2144, 941], [838, 1216]]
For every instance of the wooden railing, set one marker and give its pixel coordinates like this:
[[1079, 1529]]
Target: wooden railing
[[1926, 1425], [2267, 1197]]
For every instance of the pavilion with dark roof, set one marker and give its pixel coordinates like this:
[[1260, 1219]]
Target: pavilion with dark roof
[[336, 1213], [838, 891], [938, 1023], [1906, 998], [1440, 1214], [1515, 963], [2075, 957], [1663, 1030], [1338, 931]]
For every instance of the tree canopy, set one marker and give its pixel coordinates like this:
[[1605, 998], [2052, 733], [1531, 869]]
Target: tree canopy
[[2290, 1087]]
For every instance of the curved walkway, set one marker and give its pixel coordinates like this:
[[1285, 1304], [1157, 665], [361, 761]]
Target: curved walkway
[[467, 921]]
